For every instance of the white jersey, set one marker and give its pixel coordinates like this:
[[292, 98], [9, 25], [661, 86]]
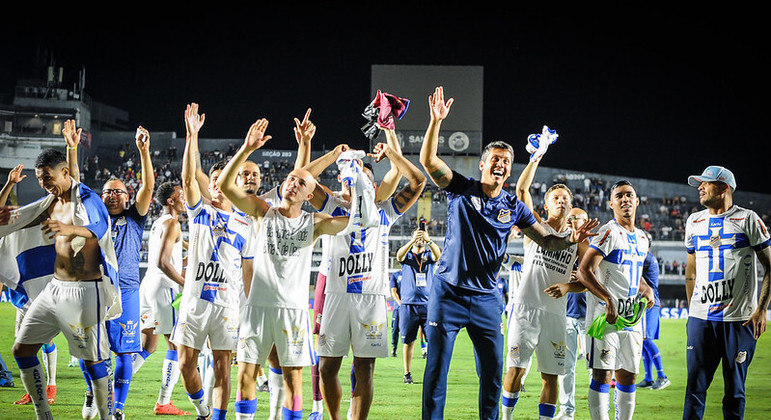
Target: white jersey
[[543, 268], [273, 198], [726, 273], [358, 262], [620, 270], [282, 262], [217, 240], [154, 245]]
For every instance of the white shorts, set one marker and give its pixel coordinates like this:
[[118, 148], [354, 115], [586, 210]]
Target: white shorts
[[204, 320], [289, 329], [617, 350], [353, 320], [535, 330], [74, 308], [155, 310]]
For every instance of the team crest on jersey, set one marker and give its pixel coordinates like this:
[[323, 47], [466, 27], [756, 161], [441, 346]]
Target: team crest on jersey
[[373, 331], [504, 215], [741, 357], [605, 355], [295, 337], [129, 328], [219, 230], [514, 352], [559, 349]]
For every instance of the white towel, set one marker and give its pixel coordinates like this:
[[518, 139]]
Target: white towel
[[364, 214], [537, 144], [34, 254]]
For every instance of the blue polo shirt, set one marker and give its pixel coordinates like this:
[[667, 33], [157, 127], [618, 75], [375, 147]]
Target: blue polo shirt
[[478, 229], [127, 228], [417, 274]]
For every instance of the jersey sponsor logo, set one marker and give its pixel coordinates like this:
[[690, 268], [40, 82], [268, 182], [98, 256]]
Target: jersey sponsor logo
[[604, 238], [504, 216], [736, 219], [741, 357], [356, 264], [210, 272], [762, 227], [699, 221], [717, 291]]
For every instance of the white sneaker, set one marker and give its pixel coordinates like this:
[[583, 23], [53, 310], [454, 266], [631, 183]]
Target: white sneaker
[[563, 416], [89, 408], [661, 383]]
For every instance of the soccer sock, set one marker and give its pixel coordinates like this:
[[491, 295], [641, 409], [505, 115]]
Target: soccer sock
[[599, 400], [201, 409], [546, 411], [102, 385], [123, 373], [624, 400], [138, 359], [295, 414], [509, 401], [657, 361], [276, 385], [206, 367], [647, 360], [315, 384], [245, 409], [353, 380], [49, 360], [169, 377], [218, 414], [261, 380], [35, 384], [86, 375]]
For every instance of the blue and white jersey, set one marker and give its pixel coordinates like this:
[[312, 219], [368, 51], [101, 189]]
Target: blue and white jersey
[[126, 229], [726, 274], [620, 270], [216, 242], [417, 275], [478, 229], [651, 275]]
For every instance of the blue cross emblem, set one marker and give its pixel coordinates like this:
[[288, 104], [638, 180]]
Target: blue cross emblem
[[715, 243]]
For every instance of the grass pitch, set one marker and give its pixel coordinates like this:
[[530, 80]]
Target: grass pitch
[[394, 400]]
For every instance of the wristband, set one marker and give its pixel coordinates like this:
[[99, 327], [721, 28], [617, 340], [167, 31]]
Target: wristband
[[72, 148]]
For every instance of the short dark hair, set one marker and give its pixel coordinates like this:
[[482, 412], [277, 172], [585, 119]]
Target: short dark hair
[[621, 183], [50, 158], [164, 192], [496, 145], [218, 166]]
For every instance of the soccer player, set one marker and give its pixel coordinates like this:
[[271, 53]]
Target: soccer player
[[84, 285], [163, 280], [209, 309], [537, 321], [651, 356], [395, 280], [356, 286], [417, 257], [276, 313], [616, 255], [481, 216], [725, 316], [127, 222]]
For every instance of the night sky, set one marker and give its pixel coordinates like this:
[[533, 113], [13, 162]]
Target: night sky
[[642, 93]]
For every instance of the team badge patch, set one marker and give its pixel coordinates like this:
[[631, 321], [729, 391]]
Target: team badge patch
[[741, 357], [322, 340], [514, 352], [559, 349], [373, 331], [504, 216], [129, 328], [605, 355]]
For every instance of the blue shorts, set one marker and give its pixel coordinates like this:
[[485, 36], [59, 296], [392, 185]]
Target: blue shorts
[[651, 323], [123, 332], [410, 318]]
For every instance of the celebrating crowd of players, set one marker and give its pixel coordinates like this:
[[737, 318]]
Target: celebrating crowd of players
[[243, 287]]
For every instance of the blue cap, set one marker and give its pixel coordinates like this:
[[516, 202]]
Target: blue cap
[[712, 174]]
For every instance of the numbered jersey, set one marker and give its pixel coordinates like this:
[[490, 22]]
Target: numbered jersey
[[358, 262], [726, 273], [620, 270], [154, 245], [216, 243], [542, 269]]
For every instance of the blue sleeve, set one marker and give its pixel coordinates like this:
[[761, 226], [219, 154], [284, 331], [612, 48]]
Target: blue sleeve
[[459, 183], [526, 218], [98, 218], [651, 270], [393, 281]]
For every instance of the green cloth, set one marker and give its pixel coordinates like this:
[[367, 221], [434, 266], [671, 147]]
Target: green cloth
[[177, 300], [597, 329]]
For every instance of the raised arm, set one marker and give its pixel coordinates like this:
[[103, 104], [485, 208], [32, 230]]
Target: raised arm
[[436, 168], [324, 224], [171, 235], [249, 204], [552, 242], [316, 167], [402, 252], [416, 181], [193, 123], [303, 133], [14, 177], [586, 276], [145, 193], [523, 186], [391, 179], [72, 137]]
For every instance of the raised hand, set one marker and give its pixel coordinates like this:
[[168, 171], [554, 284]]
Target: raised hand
[[304, 130], [15, 176], [584, 232], [142, 139], [340, 148], [256, 137], [438, 107], [7, 213], [193, 121], [380, 151], [71, 133]]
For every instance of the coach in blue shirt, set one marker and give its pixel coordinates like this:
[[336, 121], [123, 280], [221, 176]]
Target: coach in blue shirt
[[479, 219], [417, 257]]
